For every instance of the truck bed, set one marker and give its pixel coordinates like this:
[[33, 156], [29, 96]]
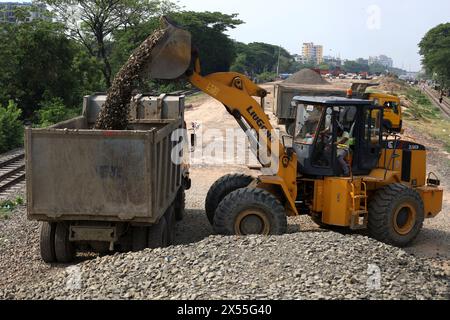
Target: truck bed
[[77, 173]]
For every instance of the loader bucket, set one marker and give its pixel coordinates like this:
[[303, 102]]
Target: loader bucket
[[171, 56]]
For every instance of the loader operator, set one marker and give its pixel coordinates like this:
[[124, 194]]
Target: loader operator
[[344, 141]]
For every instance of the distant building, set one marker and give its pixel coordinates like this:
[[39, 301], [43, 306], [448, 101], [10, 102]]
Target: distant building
[[332, 61], [312, 52], [362, 61], [300, 59], [7, 11], [382, 60]]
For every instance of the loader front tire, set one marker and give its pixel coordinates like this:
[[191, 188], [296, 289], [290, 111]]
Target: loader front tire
[[47, 242], [222, 188], [64, 249], [250, 211], [396, 215]]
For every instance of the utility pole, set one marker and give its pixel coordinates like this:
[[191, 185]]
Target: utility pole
[[278, 64]]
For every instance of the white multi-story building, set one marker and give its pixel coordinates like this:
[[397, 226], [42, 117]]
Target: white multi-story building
[[382, 60], [7, 11], [300, 58]]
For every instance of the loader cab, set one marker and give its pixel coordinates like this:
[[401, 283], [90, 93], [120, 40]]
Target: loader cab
[[322, 122]]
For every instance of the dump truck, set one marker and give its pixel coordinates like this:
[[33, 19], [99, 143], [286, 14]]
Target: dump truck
[[101, 191], [284, 93]]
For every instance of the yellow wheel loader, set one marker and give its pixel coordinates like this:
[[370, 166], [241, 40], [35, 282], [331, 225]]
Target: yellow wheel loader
[[340, 168]]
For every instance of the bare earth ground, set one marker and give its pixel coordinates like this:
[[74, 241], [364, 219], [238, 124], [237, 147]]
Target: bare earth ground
[[20, 261]]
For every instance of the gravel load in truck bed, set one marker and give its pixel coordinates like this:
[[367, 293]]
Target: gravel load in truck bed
[[310, 265], [114, 114]]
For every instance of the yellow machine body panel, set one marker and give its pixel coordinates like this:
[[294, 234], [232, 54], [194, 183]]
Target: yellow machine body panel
[[410, 164], [336, 201], [432, 198]]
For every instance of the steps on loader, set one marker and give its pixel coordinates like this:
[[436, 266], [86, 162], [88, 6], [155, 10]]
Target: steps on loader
[[359, 212]]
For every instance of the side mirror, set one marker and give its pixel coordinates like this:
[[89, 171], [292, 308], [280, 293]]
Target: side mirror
[[288, 141]]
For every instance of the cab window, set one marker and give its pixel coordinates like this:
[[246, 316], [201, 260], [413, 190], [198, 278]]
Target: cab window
[[391, 105], [373, 126], [308, 119]]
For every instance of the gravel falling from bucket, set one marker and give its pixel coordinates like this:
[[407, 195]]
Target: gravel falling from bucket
[[114, 113]]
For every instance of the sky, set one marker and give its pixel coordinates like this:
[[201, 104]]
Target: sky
[[347, 28]]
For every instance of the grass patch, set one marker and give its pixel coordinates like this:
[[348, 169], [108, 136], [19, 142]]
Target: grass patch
[[427, 117], [8, 206], [421, 106]]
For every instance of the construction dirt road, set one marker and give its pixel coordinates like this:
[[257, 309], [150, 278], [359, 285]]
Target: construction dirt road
[[308, 263]]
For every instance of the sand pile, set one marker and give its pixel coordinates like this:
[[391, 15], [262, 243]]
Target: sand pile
[[390, 84], [306, 76], [114, 114]]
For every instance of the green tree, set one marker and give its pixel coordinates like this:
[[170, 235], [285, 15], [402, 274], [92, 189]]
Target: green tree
[[37, 62], [54, 111], [355, 67], [216, 49], [93, 22], [257, 57], [11, 128], [435, 50]]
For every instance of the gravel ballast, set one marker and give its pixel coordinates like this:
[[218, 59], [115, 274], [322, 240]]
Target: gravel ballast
[[312, 265]]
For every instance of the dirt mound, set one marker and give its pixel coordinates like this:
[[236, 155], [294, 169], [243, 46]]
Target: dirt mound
[[391, 84], [306, 76], [114, 114]]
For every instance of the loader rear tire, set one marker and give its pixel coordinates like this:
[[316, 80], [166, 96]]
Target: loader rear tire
[[222, 188], [139, 238], [158, 235], [64, 249], [47, 242], [250, 211], [396, 215], [180, 204]]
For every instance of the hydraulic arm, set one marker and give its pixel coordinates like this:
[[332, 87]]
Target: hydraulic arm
[[236, 92]]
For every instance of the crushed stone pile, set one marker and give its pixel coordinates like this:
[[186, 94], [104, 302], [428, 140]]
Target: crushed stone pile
[[115, 111], [309, 265], [306, 76]]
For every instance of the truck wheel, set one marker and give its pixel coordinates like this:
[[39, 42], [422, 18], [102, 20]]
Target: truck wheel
[[221, 188], [180, 204], [64, 249], [290, 128], [396, 215], [171, 221], [47, 242], [157, 235], [250, 211], [139, 242]]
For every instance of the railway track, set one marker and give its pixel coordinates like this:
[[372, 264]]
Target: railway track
[[444, 106], [186, 93], [12, 171]]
